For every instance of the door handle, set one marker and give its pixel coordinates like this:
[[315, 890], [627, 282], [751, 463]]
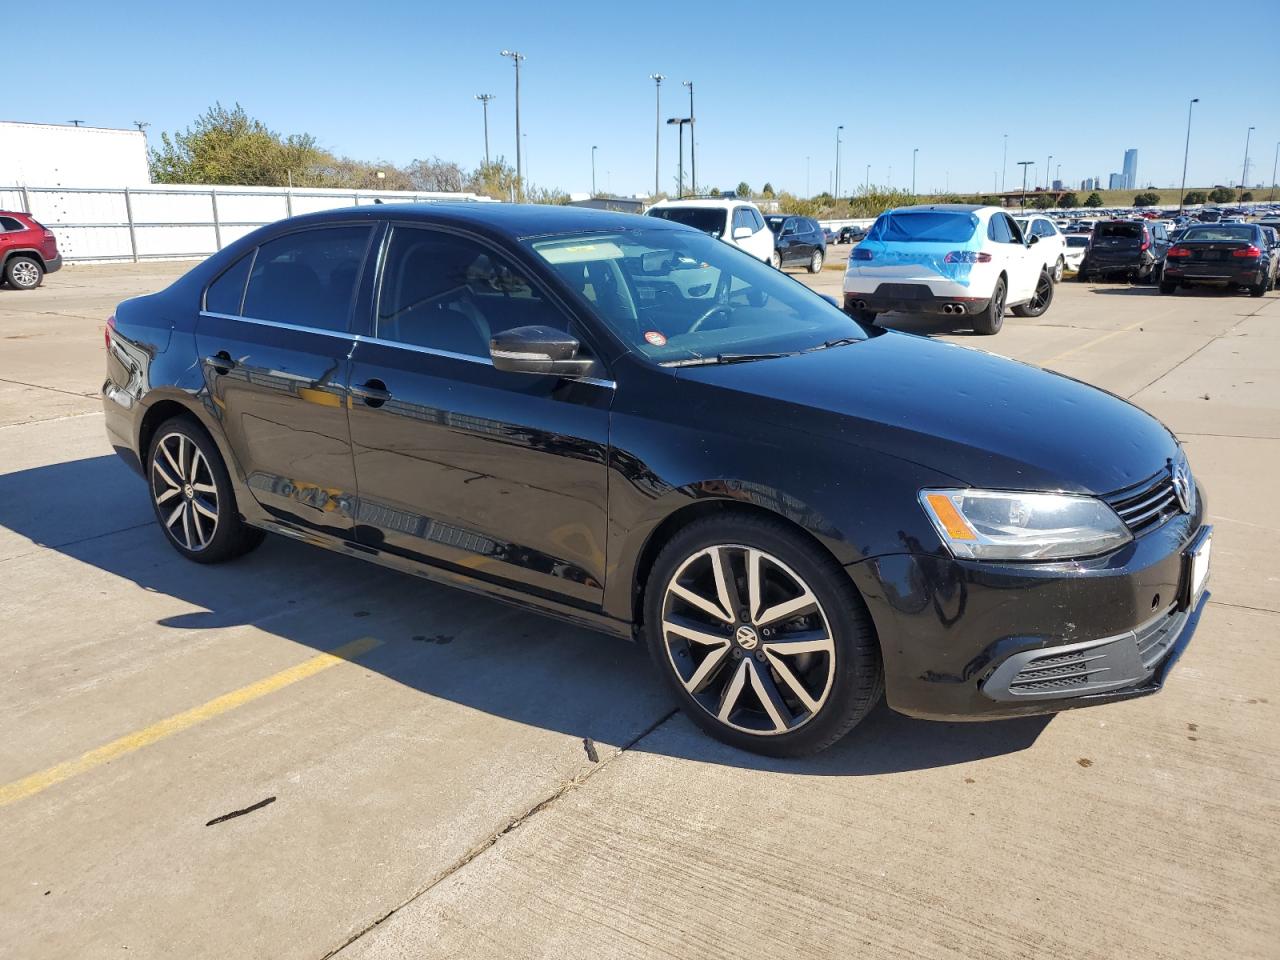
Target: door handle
[[221, 362], [373, 392]]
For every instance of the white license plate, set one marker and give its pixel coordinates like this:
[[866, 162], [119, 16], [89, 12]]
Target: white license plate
[[1200, 569]]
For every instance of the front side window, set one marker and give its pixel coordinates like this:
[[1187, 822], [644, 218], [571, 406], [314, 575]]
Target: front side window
[[449, 293], [678, 297], [742, 218], [307, 279]]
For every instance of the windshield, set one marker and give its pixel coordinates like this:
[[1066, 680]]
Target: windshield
[[1219, 233], [707, 219], [926, 226], [1077, 241], [1119, 231], [677, 296]]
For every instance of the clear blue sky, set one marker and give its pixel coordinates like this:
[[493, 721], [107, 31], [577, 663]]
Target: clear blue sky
[[395, 80]]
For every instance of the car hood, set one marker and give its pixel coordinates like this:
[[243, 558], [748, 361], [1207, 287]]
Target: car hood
[[980, 418]]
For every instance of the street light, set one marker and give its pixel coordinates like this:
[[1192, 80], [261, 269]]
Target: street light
[[484, 99], [1048, 165], [1273, 171], [1244, 174], [1024, 164], [868, 184], [806, 177], [516, 57], [1182, 194], [693, 147], [594, 148], [657, 79], [838, 129], [913, 170], [1004, 163], [680, 122]]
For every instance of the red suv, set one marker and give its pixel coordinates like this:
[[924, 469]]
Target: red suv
[[28, 250]]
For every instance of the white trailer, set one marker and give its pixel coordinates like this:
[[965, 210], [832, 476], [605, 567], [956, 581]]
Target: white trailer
[[54, 155]]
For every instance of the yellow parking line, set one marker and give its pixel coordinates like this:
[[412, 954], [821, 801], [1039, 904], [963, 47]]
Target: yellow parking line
[[1093, 343], [36, 782]]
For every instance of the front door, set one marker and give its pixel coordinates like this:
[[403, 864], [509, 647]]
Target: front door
[[497, 475], [275, 354]]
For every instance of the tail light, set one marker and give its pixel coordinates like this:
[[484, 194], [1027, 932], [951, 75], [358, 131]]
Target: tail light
[[111, 326], [967, 256], [860, 253], [1179, 251], [1250, 251], [1146, 242]]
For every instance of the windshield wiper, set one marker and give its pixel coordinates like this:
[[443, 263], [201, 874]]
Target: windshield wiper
[[728, 358], [835, 343]]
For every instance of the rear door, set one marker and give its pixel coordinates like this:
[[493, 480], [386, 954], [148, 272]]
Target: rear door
[[275, 353], [497, 475]]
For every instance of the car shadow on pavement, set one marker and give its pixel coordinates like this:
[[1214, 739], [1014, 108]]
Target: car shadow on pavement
[[470, 650]]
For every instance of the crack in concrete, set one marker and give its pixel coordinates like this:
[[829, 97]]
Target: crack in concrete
[[490, 841], [41, 386]]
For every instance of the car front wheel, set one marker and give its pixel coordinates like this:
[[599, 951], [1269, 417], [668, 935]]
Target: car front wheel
[[192, 496], [775, 260], [1040, 300], [762, 639], [1058, 267]]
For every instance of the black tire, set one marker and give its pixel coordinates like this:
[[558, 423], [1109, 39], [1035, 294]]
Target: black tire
[[1168, 286], [816, 259], [1040, 302], [851, 674], [230, 536], [1258, 289], [990, 320], [23, 273], [1058, 269], [1082, 275]]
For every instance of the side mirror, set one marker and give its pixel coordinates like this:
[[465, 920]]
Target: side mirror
[[538, 349], [742, 233], [1034, 239]]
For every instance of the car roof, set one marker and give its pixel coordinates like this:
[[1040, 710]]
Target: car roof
[[949, 207], [719, 203], [511, 220]]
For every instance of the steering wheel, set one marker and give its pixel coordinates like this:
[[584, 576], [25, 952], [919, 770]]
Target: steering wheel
[[707, 315]]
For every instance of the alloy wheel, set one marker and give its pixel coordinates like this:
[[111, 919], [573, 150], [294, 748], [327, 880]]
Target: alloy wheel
[[748, 640], [184, 491], [1044, 290], [25, 274], [816, 263]]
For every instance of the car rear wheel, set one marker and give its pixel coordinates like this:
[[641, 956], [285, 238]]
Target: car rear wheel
[[1258, 289], [23, 273], [1040, 300], [192, 496], [815, 262], [1168, 286], [1082, 275], [763, 639], [775, 260], [990, 320]]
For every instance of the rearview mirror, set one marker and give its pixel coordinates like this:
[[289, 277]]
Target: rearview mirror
[[742, 233], [539, 349]]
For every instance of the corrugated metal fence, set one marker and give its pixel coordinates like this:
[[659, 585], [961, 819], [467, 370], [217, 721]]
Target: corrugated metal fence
[[178, 222]]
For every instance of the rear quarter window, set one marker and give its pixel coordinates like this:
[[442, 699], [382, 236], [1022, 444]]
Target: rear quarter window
[[226, 294], [9, 224]]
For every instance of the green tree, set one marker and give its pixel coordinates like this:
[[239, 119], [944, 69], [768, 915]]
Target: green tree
[[1068, 200], [1246, 196], [743, 190], [767, 191], [715, 191], [1222, 195], [1194, 197], [496, 179], [1093, 200], [1043, 202], [1147, 199], [230, 147]]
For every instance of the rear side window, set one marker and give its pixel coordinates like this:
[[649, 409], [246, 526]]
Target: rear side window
[[307, 279], [924, 227], [8, 224], [227, 292]]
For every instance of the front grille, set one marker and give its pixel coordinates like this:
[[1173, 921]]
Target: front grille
[[1157, 636], [1064, 672], [1147, 504]]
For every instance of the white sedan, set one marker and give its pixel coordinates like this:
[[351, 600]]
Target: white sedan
[[1077, 246]]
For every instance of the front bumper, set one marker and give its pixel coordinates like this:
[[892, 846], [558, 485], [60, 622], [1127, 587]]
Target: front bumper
[[912, 298], [966, 640]]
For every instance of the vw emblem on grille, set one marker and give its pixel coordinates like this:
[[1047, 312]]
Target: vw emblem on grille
[[1182, 486], [747, 638]]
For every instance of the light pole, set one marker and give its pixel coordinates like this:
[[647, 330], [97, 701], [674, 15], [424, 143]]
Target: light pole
[[657, 79], [1273, 171], [594, 148], [516, 57], [693, 148], [1004, 164], [806, 177], [1048, 165], [838, 129], [913, 170], [1186, 150], [484, 99], [1244, 174], [1024, 164], [679, 122], [868, 183]]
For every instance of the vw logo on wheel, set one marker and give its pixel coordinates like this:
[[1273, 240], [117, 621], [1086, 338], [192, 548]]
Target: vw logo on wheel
[[1182, 488], [747, 637]]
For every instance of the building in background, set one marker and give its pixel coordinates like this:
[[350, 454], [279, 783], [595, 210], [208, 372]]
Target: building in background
[[1130, 168], [1116, 182], [1057, 184], [54, 155]]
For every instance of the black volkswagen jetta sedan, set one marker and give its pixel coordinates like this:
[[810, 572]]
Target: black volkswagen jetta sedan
[[626, 423]]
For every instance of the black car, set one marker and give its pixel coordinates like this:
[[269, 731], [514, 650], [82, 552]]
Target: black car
[[1221, 254], [626, 423], [797, 240], [1134, 249], [851, 234]]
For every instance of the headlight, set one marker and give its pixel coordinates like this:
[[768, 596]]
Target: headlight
[[1002, 525]]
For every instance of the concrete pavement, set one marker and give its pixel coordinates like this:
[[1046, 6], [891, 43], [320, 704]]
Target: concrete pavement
[[483, 782]]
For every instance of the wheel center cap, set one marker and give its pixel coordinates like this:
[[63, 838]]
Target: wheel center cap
[[747, 637], [189, 492]]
